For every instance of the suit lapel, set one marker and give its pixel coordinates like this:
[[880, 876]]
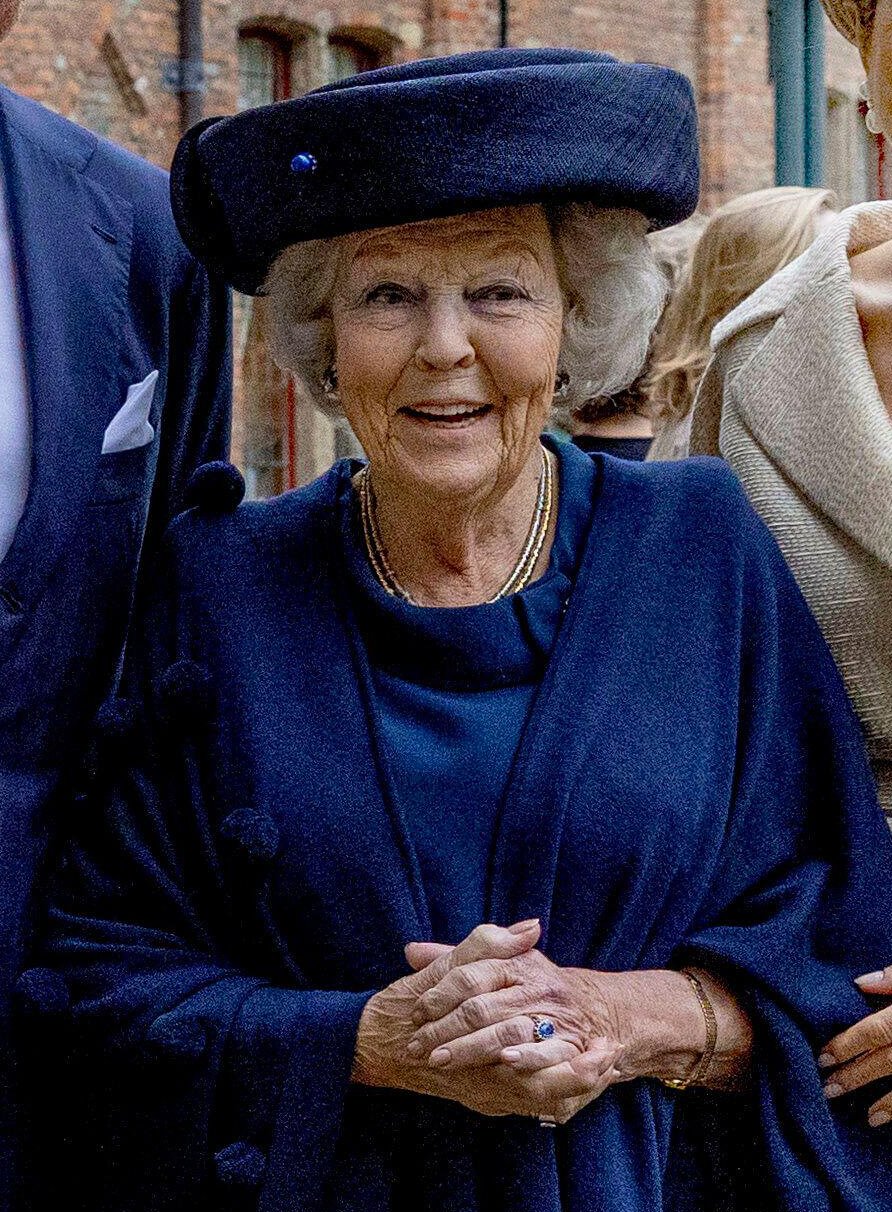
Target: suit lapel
[[71, 246]]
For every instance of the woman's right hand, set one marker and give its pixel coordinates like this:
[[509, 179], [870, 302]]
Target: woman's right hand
[[564, 1081]]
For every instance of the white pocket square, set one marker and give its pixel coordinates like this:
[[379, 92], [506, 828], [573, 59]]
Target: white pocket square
[[129, 427]]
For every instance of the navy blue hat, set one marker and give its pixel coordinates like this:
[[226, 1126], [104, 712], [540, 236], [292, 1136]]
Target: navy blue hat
[[431, 138]]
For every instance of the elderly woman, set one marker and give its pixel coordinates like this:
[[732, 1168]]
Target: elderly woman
[[479, 679]]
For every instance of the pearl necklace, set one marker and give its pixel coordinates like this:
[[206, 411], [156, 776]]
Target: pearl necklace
[[520, 574]]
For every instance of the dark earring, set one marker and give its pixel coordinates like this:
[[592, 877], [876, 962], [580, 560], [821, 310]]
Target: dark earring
[[330, 381], [562, 385]]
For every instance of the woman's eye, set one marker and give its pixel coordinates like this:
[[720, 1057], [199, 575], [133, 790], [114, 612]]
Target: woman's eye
[[388, 293], [500, 292]]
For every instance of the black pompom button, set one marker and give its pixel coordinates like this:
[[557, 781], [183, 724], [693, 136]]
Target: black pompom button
[[178, 1038], [41, 992], [253, 835], [240, 1165], [184, 689], [117, 719], [215, 488]]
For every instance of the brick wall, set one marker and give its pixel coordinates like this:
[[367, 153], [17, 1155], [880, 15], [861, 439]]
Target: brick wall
[[100, 61]]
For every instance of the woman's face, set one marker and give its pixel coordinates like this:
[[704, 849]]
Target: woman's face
[[447, 336], [877, 55]]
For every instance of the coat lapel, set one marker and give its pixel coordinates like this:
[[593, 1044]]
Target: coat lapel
[[809, 398], [71, 246]]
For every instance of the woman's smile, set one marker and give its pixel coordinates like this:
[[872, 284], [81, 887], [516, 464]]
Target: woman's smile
[[457, 414]]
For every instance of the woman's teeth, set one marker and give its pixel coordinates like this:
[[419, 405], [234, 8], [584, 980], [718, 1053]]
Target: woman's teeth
[[447, 412]]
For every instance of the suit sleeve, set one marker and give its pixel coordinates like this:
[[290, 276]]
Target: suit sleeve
[[210, 1078], [801, 901], [197, 417]]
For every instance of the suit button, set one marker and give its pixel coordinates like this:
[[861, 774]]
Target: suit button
[[9, 596]]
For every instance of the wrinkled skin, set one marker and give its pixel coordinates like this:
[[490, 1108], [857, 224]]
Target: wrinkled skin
[[460, 315], [552, 1080]]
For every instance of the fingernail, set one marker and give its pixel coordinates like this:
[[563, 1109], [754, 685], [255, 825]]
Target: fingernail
[[870, 979], [523, 927], [826, 1060], [442, 1056], [879, 1119], [833, 1090], [511, 1055], [415, 1048]]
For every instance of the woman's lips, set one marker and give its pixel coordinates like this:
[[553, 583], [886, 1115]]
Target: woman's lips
[[446, 414]]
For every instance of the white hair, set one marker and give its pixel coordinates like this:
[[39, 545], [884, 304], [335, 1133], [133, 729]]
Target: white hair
[[613, 291]]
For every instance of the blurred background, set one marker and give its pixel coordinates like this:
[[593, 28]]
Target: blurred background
[[777, 89]]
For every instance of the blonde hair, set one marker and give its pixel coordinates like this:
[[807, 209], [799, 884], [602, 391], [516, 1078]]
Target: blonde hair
[[744, 243]]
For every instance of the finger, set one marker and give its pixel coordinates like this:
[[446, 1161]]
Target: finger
[[419, 955], [871, 1033], [486, 1047], [530, 1058], [876, 982], [881, 1112], [498, 942], [471, 1016], [589, 1073], [484, 942], [859, 1072], [460, 984]]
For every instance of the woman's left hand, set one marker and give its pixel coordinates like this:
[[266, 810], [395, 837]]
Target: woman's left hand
[[480, 1013], [863, 1053]]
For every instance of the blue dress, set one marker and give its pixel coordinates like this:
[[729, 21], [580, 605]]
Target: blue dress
[[452, 691], [690, 786]]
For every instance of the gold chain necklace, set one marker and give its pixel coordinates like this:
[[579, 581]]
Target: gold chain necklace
[[520, 574]]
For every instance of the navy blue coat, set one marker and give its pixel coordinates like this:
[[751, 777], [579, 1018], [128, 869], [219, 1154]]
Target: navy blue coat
[[691, 787], [108, 294]]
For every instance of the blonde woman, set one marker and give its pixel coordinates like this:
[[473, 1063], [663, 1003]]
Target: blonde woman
[[798, 399], [744, 243]]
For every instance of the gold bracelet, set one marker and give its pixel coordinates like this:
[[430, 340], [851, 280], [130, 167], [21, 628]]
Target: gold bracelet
[[701, 1066]]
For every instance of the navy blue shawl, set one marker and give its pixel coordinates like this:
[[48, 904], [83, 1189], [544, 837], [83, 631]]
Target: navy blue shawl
[[691, 787]]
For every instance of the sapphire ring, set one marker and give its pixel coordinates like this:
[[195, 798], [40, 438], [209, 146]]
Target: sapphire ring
[[543, 1028]]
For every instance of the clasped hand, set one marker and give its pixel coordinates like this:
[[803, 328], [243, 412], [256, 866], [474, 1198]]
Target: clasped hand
[[459, 1027]]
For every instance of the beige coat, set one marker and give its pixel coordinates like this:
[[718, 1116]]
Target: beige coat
[[791, 402]]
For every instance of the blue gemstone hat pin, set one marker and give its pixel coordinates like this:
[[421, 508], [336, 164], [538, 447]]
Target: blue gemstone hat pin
[[303, 162]]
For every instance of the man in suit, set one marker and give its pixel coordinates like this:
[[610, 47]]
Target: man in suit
[[115, 382]]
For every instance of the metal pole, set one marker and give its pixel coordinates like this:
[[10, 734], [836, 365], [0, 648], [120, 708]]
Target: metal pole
[[191, 63], [815, 93], [788, 68]]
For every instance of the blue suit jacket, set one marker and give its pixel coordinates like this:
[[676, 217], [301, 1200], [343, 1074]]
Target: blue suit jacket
[[108, 293]]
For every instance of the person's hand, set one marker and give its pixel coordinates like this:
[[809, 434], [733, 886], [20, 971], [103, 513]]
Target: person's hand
[[863, 1053], [555, 1084], [480, 1011]]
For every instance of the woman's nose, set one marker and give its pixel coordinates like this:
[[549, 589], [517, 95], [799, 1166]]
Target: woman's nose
[[446, 340]]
